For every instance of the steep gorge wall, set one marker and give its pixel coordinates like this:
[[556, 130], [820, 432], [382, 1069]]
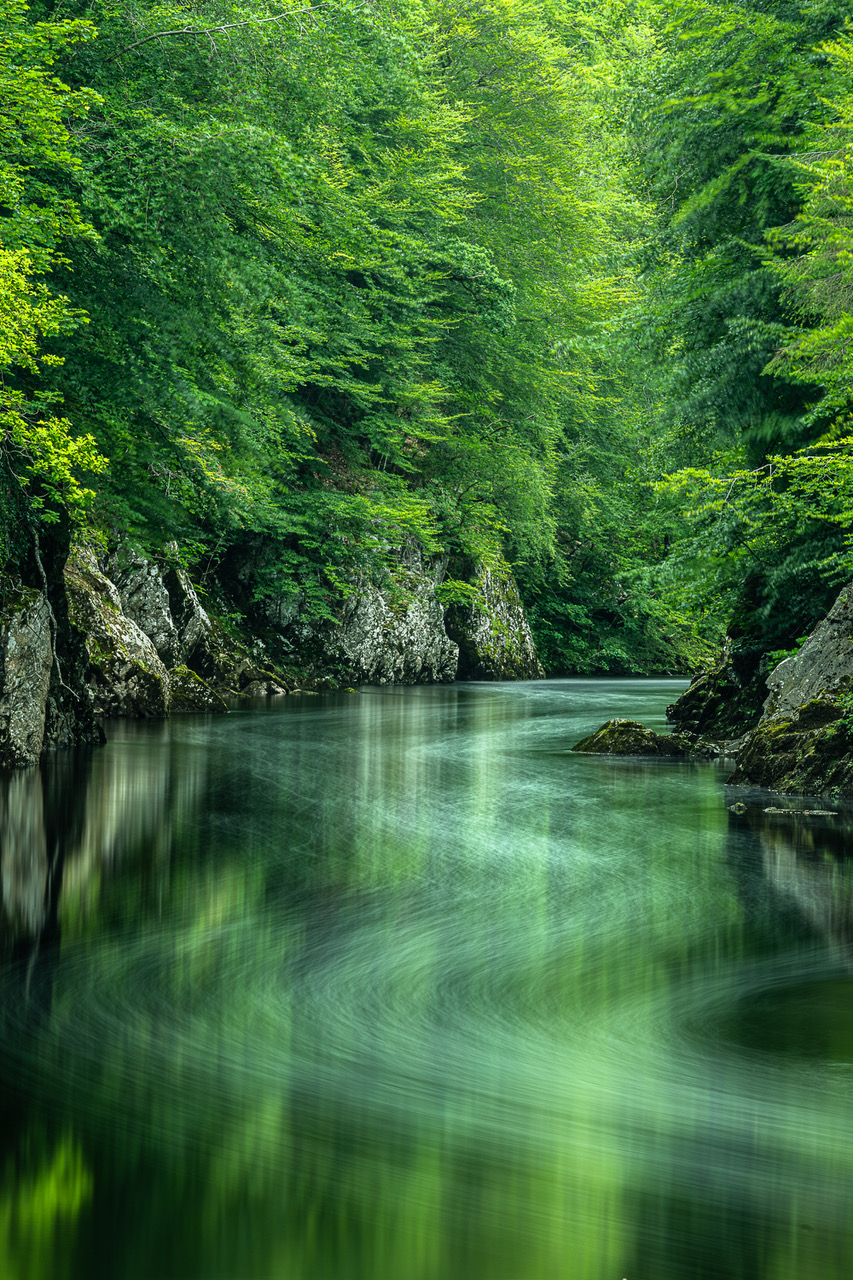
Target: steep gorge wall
[[123, 635]]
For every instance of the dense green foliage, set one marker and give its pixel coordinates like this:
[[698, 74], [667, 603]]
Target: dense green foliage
[[41, 453], [726, 121], [325, 280]]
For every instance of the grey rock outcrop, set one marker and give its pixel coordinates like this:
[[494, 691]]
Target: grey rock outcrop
[[163, 603], [386, 638], [399, 632], [126, 676], [823, 666], [492, 632], [197, 642], [43, 701], [26, 662], [389, 634], [803, 743], [145, 600]]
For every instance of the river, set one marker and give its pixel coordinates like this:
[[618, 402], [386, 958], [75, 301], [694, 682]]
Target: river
[[390, 986]]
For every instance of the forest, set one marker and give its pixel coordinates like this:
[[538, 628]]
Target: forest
[[563, 286]]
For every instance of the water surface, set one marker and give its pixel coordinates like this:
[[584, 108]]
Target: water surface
[[389, 986]]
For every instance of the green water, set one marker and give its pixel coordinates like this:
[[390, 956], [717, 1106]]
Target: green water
[[389, 986]]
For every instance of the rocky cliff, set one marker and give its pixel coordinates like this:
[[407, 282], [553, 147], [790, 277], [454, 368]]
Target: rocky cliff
[[399, 632], [492, 632], [121, 634], [798, 741], [388, 633], [803, 742]]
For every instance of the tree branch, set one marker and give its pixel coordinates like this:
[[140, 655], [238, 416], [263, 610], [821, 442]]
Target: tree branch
[[225, 26]]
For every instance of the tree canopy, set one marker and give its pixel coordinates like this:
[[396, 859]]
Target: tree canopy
[[562, 285]]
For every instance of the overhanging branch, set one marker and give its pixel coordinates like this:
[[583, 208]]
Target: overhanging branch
[[225, 26]]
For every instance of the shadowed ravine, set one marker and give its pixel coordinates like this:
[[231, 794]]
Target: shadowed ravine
[[393, 987]]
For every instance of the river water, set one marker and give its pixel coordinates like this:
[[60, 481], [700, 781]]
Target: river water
[[389, 986]]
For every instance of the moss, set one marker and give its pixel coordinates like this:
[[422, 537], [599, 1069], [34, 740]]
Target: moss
[[629, 738], [807, 754], [189, 693]]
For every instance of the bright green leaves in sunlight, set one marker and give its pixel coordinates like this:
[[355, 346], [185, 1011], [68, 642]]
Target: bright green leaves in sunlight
[[40, 450], [348, 263]]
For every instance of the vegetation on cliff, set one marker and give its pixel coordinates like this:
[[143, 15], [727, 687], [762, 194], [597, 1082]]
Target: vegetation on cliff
[[560, 286]]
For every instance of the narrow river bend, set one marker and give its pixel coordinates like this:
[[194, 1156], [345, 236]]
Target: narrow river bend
[[389, 986]]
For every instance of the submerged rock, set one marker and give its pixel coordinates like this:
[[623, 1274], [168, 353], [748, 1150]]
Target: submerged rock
[[629, 738]]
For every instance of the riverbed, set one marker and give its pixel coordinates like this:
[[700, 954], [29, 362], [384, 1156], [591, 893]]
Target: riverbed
[[392, 986]]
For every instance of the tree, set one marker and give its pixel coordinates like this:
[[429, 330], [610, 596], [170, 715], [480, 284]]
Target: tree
[[42, 457]]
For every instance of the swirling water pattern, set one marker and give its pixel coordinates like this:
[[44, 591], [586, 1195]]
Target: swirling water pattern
[[393, 986]]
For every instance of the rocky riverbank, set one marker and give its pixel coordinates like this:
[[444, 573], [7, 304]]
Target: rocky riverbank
[[789, 729], [89, 634]]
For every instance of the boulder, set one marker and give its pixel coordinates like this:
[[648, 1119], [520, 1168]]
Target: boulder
[[261, 689], [126, 676], [189, 693], [823, 666], [492, 632], [629, 738], [809, 752], [26, 663]]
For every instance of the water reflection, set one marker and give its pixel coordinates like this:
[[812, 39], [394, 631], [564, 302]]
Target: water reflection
[[394, 986]]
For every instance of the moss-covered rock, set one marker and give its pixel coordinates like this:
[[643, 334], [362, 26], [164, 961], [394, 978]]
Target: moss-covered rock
[[629, 738], [492, 632], [809, 752], [189, 693], [126, 676], [724, 701], [268, 687]]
